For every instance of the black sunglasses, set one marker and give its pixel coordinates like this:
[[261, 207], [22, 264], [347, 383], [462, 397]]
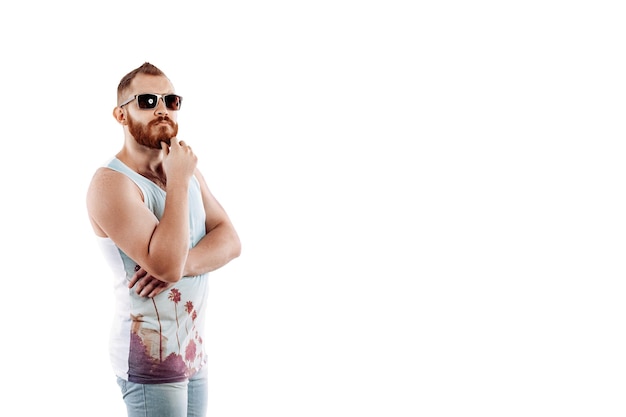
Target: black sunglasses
[[150, 101]]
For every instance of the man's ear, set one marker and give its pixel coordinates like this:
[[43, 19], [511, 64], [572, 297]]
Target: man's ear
[[120, 115]]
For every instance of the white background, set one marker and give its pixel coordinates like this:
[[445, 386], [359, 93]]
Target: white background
[[430, 197]]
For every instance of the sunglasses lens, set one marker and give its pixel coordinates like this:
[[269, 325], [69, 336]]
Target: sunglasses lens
[[173, 101], [147, 101]]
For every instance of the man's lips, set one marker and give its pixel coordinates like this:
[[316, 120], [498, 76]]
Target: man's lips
[[167, 122]]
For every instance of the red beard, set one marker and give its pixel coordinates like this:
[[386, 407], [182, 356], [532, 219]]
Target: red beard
[[152, 134]]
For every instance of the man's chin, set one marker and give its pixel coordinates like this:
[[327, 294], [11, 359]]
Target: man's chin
[[166, 134]]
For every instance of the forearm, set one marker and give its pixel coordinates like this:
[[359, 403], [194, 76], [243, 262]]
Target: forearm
[[169, 244], [216, 249]]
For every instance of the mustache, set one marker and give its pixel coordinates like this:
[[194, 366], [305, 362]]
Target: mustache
[[162, 119]]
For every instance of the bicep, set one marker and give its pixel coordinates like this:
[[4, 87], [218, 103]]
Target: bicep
[[115, 205]]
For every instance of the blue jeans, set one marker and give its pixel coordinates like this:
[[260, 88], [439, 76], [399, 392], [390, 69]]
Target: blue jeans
[[179, 399]]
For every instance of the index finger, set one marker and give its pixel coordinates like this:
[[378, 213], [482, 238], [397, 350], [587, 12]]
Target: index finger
[[139, 273]]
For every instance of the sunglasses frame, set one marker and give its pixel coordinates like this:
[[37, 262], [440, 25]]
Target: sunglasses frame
[[158, 96]]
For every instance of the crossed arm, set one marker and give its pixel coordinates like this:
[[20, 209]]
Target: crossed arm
[[116, 210], [218, 247]]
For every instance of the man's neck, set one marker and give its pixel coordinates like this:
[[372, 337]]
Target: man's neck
[[146, 162]]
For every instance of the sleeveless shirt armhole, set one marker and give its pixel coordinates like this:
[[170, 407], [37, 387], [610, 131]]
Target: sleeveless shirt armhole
[[127, 172]]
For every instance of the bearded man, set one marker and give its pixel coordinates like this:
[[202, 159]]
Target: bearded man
[[162, 231]]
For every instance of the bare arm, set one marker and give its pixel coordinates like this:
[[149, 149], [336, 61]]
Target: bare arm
[[116, 210], [221, 243], [218, 247]]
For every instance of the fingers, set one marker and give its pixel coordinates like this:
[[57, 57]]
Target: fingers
[[179, 161], [174, 143], [180, 143], [139, 273], [153, 288], [146, 285], [159, 289], [149, 286]]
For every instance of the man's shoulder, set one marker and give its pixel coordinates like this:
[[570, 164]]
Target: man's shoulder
[[106, 180], [104, 174]]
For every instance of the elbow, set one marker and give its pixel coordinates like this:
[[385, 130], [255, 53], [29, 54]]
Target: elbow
[[169, 273], [236, 247], [171, 278]]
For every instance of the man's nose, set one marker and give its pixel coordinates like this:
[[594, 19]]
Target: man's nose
[[161, 108]]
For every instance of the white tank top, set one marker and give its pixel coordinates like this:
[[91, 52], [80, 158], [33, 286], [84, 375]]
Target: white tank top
[[160, 339]]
